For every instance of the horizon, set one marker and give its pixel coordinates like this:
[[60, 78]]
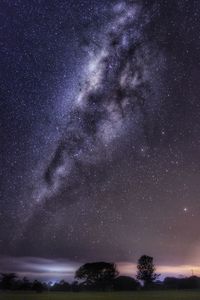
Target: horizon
[[55, 270]]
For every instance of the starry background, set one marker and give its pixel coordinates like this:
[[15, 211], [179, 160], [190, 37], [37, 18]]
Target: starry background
[[100, 145]]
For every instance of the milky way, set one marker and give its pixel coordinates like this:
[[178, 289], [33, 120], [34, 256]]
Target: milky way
[[100, 151], [117, 94]]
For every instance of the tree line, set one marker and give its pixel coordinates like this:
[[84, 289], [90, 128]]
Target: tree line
[[103, 276]]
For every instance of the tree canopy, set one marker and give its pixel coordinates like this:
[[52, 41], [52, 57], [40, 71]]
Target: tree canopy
[[97, 274], [146, 270]]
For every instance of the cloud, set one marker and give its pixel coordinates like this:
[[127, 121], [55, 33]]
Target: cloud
[[39, 268]]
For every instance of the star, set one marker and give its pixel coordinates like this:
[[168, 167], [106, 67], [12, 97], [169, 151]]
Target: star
[[101, 122]]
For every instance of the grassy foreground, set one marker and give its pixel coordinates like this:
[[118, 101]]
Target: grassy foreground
[[165, 295]]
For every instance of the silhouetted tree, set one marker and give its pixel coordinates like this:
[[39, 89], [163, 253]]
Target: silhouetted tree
[[62, 286], [8, 280], [75, 287], [171, 283], [126, 283], [98, 275], [38, 286], [25, 284], [146, 270], [192, 282]]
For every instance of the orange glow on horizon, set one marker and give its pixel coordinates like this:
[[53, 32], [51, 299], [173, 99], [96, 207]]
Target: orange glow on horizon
[[130, 269]]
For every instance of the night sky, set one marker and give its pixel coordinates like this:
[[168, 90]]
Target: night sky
[[100, 144]]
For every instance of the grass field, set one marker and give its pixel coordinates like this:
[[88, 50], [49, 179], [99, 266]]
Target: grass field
[[166, 295]]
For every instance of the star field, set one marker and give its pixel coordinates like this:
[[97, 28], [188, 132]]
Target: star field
[[100, 121]]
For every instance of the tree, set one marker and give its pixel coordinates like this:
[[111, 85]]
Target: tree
[[25, 284], [75, 287], [99, 275], [126, 283], [146, 270], [38, 286], [8, 280], [62, 286], [182, 283]]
